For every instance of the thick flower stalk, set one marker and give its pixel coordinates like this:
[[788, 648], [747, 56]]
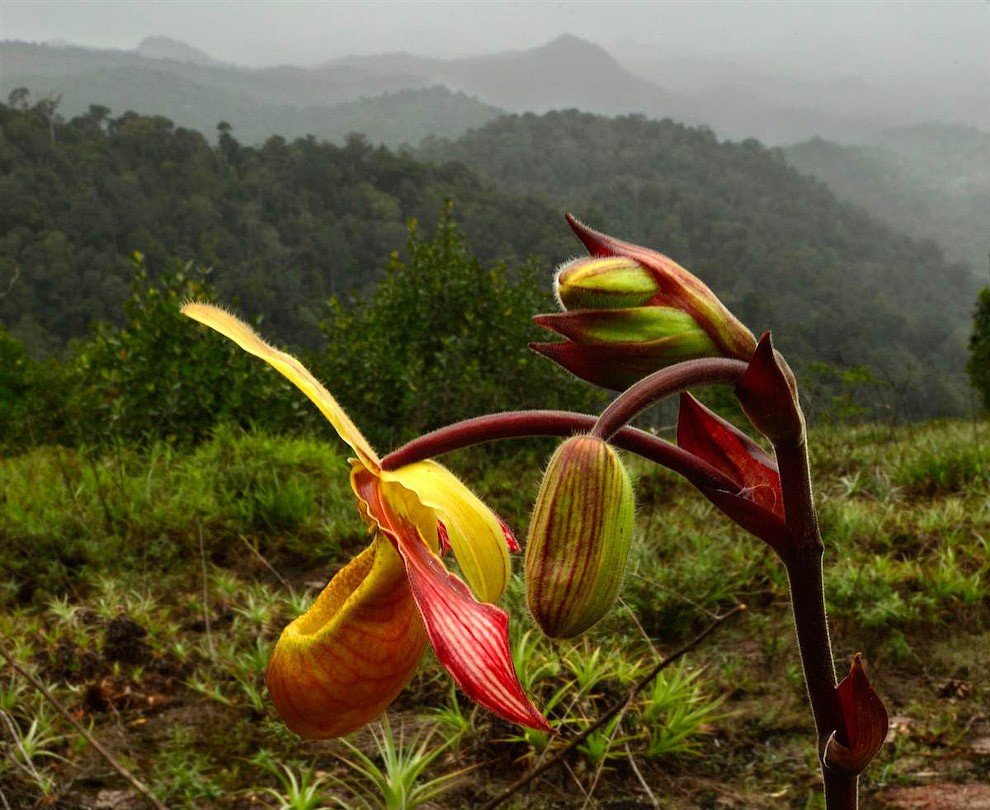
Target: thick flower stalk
[[340, 664], [617, 340]]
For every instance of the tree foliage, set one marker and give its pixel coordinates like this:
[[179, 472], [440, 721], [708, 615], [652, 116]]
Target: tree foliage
[[979, 348], [832, 283], [285, 225], [443, 338]]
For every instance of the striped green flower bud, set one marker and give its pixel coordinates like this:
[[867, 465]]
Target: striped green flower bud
[[610, 282], [579, 537]]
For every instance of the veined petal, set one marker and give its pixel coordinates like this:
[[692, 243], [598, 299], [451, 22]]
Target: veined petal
[[633, 324], [619, 365], [470, 638], [711, 438], [339, 665], [473, 531], [288, 366]]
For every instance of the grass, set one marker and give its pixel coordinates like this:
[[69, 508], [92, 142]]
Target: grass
[[146, 587]]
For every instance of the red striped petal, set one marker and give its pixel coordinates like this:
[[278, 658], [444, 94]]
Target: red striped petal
[[510, 538], [470, 638]]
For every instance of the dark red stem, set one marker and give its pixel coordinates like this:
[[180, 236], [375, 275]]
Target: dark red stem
[[664, 383], [522, 424], [803, 561]]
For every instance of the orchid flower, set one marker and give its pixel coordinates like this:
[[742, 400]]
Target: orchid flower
[[342, 662]]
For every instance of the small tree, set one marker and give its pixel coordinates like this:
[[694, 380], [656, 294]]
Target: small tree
[[439, 340], [979, 348], [15, 369], [159, 377]]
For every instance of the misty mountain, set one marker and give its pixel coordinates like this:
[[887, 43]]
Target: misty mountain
[[279, 85], [291, 102], [931, 180], [740, 100], [777, 246], [567, 72], [167, 77], [737, 100], [174, 50]]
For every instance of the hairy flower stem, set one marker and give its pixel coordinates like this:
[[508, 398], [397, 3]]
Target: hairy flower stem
[[662, 384], [528, 424], [803, 562]]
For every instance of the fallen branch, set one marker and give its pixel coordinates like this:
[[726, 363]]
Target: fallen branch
[[111, 760], [645, 681]]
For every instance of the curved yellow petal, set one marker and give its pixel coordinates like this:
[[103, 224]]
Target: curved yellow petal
[[474, 533], [244, 336], [399, 500], [340, 664]]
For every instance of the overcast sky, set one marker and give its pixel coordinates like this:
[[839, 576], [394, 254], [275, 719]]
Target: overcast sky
[[879, 39]]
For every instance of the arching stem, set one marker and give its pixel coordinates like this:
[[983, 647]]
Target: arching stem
[[528, 424], [662, 384]]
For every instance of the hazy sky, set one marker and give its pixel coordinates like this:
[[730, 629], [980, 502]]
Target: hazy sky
[[824, 38]]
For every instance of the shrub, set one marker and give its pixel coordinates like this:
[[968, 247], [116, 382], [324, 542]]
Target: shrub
[[160, 377], [979, 349], [442, 338]]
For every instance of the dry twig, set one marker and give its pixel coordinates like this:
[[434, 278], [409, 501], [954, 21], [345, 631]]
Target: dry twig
[[111, 760]]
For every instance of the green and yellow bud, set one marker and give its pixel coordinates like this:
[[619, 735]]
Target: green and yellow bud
[[610, 282], [579, 537], [630, 311]]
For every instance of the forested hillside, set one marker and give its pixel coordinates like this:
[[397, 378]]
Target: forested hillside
[[285, 225], [835, 284], [288, 101], [932, 181]]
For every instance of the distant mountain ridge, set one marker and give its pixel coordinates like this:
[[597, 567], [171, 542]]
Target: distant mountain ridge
[[736, 101], [932, 180], [287, 101], [159, 47], [566, 72]]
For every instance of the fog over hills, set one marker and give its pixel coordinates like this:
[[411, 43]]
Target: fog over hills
[[931, 180], [567, 72], [193, 90], [168, 48], [735, 98], [739, 99]]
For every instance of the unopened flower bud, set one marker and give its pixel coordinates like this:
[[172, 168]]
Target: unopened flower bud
[[611, 282], [768, 394], [631, 311], [579, 537]]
